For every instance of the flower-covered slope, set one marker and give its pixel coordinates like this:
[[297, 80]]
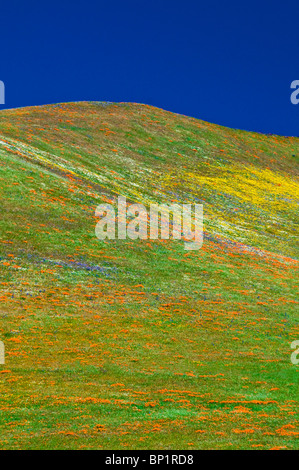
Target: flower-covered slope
[[138, 343]]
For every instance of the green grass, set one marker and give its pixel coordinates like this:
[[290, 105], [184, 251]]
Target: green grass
[[140, 344]]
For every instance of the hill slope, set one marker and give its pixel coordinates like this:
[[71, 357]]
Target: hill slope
[[140, 344]]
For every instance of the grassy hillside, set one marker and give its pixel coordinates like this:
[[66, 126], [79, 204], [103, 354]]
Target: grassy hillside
[[141, 344]]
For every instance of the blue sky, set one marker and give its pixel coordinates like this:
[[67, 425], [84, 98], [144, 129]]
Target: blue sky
[[226, 62]]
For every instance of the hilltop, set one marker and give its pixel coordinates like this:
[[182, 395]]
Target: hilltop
[[140, 344]]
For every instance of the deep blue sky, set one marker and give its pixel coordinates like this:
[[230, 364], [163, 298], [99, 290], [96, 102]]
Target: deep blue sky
[[228, 62]]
